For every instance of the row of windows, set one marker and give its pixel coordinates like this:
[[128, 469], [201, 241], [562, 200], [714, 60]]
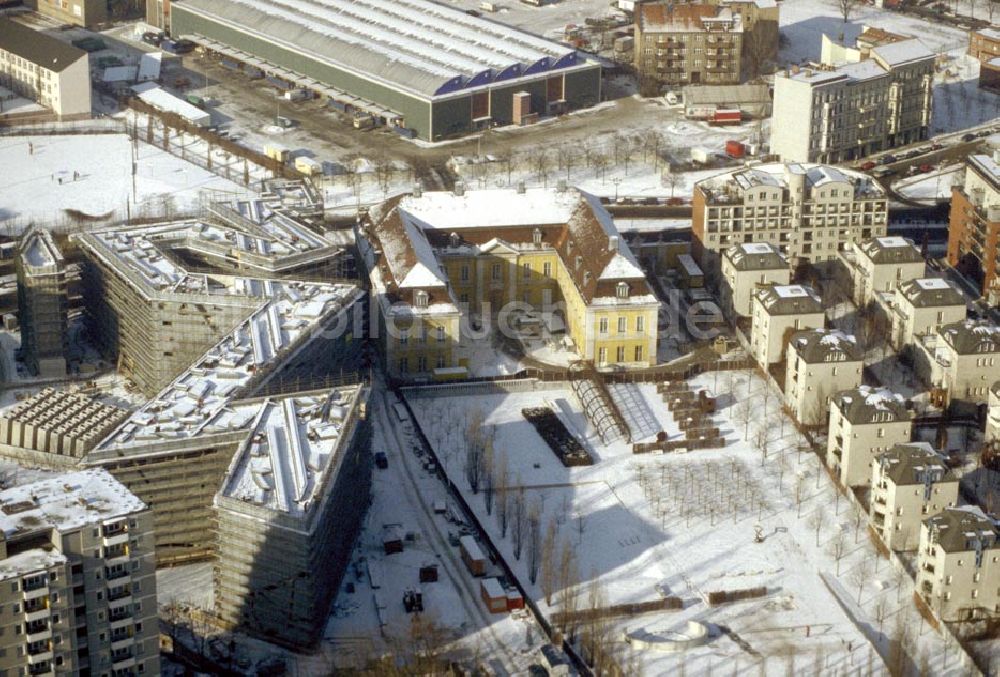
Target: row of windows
[[640, 324], [637, 354], [421, 363]]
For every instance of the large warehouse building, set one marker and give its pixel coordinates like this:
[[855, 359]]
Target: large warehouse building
[[418, 65]]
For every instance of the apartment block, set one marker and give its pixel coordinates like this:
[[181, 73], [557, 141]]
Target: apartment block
[[820, 363], [778, 313], [809, 212], [880, 264], [682, 44], [962, 358], [958, 564], [747, 267], [974, 224], [910, 482], [984, 44], [920, 307], [46, 70], [846, 112], [833, 52], [864, 422], [42, 304], [436, 260], [77, 579], [288, 512]]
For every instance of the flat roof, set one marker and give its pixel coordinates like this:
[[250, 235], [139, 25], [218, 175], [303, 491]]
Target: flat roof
[[413, 45], [38, 48], [290, 449], [65, 502]]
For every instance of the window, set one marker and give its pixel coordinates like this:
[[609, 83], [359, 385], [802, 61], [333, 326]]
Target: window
[[640, 324], [464, 273], [603, 328], [536, 237], [620, 354], [422, 363], [547, 269], [403, 368], [439, 362], [440, 334], [497, 271], [420, 299], [526, 271], [638, 353], [622, 325], [602, 355], [622, 290]]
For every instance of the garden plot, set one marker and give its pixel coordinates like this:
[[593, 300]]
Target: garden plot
[[639, 529]]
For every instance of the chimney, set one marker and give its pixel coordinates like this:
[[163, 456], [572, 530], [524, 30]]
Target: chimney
[[520, 187], [613, 243], [418, 190], [459, 188]]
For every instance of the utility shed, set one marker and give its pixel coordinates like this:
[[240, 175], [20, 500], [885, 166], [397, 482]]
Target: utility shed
[[164, 101], [414, 64], [702, 101]]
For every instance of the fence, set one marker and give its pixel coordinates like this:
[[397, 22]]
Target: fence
[[95, 126]]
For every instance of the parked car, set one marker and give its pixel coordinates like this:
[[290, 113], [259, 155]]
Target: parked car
[[926, 167], [968, 136], [152, 38], [867, 166], [381, 460], [887, 159], [937, 146]]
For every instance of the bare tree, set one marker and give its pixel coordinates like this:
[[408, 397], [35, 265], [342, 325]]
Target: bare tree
[[488, 477], [744, 414], [846, 8], [816, 521], [519, 527], [534, 541], [881, 611], [541, 163], [502, 479], [860, 575], [838, 548], [549, 573], [800, 492]]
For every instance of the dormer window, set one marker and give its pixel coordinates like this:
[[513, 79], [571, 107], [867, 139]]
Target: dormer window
[[536, 237], [420, 299], [454, 240], [622, 290], [579, 262]]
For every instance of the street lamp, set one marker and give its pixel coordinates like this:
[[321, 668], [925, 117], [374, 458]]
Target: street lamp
[[616, 181]]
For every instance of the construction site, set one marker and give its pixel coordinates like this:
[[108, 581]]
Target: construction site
[[234, 328]]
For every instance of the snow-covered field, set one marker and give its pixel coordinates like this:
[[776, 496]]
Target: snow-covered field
[[92, 174], [932, 186], [642, 527]]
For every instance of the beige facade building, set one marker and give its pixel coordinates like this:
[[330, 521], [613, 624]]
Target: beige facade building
[[41, 68], [819, 364], [963, 358], [286, 514], [880, 264], [958, 564], [42, 304], [747, 267], [77, 579], [864, 422], [910, 482], [778, 312], [842, 113], [922, 306], [809, 212], [683, 44], [993, 416]]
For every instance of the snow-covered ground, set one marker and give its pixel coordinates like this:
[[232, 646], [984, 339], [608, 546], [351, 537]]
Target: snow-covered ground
[[935, 185], [92, 174], [642, 527]]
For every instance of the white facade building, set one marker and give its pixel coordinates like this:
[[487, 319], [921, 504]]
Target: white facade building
[[839, 114], [864, 422], [820, 362], [963, 358], [778, 312], [880, 265], [910, 482], [921, 306], [747, 267], [44, 69]]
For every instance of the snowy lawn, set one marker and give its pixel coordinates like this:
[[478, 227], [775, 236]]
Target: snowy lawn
[[638, 528]]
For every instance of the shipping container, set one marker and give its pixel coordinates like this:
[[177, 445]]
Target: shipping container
[[700, 155], [279, 153], [493, 594], [472, 555], [735, 149], [308, 166]]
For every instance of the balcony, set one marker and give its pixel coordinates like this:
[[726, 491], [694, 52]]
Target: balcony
[[38, 614], [41, 669], [120, 614], [122, 656], [40, 634], [35, 593], [926, 587], [40, 656], [116, 572], [928, 567], [121, 644], [116, 594], [118, 538]]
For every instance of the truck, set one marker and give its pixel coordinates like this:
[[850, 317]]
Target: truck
[[701, 155], [364, 122], [472, 555], [727, 116], [300, 94]]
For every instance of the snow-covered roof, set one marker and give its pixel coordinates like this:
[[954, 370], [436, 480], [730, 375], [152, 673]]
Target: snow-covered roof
[[787, 299], [990, 33], [931, 291], [162, 100], [825, 345], [290, 450], [987, 166], [866, 404], [862, 70], [962, 529], [915, 463], [415, 45], [502, 207], [777, 174], [891, 249], [756, 256], [29, 562], [39, 252], [970, 337], [65, 502], [903, 52]]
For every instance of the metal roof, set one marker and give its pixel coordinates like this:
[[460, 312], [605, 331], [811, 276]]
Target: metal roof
[[38, 48], [412, 45]]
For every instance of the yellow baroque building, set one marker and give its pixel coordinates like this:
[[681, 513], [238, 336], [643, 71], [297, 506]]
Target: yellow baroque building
[[444, 265]]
